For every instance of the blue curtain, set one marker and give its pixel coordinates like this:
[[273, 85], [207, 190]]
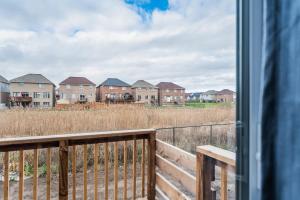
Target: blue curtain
[[281, 101]]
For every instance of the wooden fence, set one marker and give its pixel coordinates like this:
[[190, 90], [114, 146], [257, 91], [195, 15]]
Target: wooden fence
[[71, 141]]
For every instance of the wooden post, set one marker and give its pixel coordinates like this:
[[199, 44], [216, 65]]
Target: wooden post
[[35, 174], [143, 168], [21, 174], [125, 171], [74, 172], [63, 170], [6, 176], [85, 171], [205, 174], [151, 166], [48, 176], [224, 183], [134, 169]]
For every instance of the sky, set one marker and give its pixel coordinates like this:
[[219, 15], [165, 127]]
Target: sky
[[188, 42]]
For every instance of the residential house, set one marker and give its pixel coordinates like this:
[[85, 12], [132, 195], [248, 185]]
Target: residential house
[[194, 96], [169, 94], [76, 90], [4, 92], [209, 96], [113, 90], [188, 96], [225, 96], [143, 91], [32, 90]]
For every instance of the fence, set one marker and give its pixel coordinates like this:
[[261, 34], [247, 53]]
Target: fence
[[68, 142], [189, 137]]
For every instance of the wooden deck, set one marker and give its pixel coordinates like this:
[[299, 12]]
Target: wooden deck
[[164, 171]]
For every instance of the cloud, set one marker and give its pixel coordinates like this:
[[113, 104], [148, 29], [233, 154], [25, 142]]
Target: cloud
[[192, 43]]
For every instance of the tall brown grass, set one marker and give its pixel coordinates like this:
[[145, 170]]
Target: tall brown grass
[[15, 123]]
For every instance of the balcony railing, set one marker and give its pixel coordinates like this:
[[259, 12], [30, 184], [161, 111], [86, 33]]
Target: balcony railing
[[20, 99], [68, 142]]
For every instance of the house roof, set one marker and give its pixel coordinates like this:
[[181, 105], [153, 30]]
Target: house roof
[[3, 80], [168, 85], [225, 92], [114, 82], [32, 78], [142, 84], [77, 81], [211, 92]]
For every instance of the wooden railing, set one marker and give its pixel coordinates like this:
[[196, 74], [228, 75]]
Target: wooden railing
[[68, 142], [207, 158], [194, 174]]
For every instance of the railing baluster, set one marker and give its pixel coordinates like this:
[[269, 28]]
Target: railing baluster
[[125, 171], [63, 170], [143, 168], [74, 172], [35, 174], [116, 170], [106, 170], [224, 183], [134, 170], [21, 174], [151, 166], [48, 178], [96, 169], [85, 172], [6, 176]]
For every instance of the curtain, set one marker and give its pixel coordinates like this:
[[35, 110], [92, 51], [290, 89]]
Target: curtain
[[281, 101]]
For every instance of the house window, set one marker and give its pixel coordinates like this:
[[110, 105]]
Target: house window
[[82, 97], [37, 95], [167, 90], [40, 86], [175, 91], [73, 96], [153, 97], [25, 94], [139, 97], [111, 87], [91, 87], [68, 86], [46, 104], [123, 88], [46, 95], [16, 94], [146, 97], [36, 104]]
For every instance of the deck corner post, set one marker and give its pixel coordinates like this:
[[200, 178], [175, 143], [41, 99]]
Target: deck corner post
[[63, 170], [205, 174], [151, 166]]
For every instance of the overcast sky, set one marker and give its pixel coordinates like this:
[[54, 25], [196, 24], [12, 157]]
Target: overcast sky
[[189, 42]]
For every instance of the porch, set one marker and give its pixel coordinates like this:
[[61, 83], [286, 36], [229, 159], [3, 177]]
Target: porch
[[151, 169]]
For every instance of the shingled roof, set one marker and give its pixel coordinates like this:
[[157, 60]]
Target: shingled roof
[[142, 84], [114, 82], [169, 85], [77, 81], [32, 78], [225, 92], [3, 80]]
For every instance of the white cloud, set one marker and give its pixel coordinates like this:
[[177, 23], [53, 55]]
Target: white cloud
[[193, 43]]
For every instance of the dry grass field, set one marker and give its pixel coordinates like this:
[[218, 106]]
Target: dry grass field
[[14, 123]]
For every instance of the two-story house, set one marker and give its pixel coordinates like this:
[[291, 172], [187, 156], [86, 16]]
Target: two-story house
[[76, 90], [32, 90], [169, 94], [113, 89], [225, 95], [4, 92], [145, 92]]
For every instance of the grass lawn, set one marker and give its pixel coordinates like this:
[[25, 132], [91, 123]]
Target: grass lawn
[[207, 105]]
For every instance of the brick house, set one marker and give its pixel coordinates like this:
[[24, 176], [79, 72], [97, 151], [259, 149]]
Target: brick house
[[225, 95], [76, 90], [170, 94], [32, 90], [112, 90], [4, 92], [145, 92]]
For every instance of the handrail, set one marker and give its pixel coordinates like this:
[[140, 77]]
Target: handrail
[[72, 140], [207, 158]]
